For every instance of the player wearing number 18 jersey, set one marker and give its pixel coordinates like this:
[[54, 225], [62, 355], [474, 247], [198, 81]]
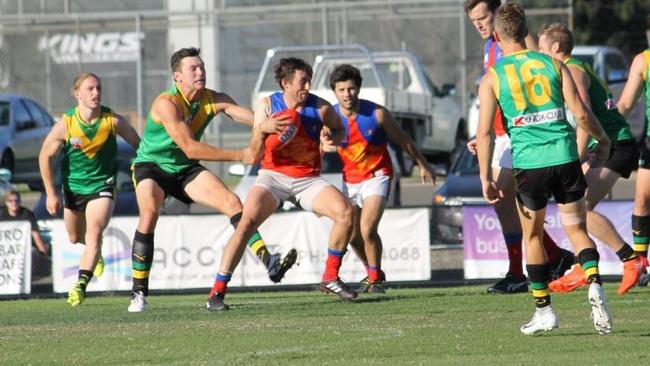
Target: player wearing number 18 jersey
[[531, 89]]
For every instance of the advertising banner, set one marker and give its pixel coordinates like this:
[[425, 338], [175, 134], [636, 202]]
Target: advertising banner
[[15, 257], [188, 251], [485, 254]]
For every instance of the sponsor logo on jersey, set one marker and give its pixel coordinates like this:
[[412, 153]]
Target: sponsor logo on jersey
[[536, 118], [75, 142], [288, 134]]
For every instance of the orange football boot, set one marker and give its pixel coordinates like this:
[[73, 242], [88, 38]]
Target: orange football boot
[[632, 271], [570, 281]]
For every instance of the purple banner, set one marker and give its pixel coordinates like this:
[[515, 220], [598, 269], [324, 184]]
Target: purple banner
[[483, 240]]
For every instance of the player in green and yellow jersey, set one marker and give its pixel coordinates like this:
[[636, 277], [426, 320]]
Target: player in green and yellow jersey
[[531, 89], [87, 136], [639, 79], [167, 163], [556, 41]]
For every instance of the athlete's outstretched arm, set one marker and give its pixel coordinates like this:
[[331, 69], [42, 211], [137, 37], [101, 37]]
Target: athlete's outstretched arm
[[388, 123], [487, 110], [233, 110], [633, 86], [51, 147], [124, 129], [169, 114], [583, 115]]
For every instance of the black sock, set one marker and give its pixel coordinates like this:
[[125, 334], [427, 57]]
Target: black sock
[[84, 277], [141, 259], [626, 253], [538, 274]]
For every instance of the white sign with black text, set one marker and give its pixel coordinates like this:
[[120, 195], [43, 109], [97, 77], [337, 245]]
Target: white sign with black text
[[188, 251], [15, 258]]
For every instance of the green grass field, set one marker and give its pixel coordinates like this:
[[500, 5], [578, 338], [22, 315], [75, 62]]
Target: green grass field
[[430, 326]]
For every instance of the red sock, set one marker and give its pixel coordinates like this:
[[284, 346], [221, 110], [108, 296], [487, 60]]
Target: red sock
[[373, 273], [220, 284], [332, 265], [513, 244], [552, 250]]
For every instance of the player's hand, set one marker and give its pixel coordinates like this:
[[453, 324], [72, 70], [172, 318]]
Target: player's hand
[[490, 192], [427, 174], [274, 125], [327, 144], [247, 156], [472, 146], [600, 153], [52, 204]]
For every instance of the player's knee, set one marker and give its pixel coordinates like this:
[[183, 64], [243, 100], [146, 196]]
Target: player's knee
[[369, 233], [148, 220], [75, 238], [343, 214], [233, 203]]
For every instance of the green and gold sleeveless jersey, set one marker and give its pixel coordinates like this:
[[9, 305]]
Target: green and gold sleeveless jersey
[[156, 146], [603, 105], [90, 152], [528, 87], [646, 77]]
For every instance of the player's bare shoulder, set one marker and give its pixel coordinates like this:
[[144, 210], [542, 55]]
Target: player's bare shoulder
[[164, 106]]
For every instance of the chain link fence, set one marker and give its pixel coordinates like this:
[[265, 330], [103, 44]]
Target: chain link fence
[[45, 44]]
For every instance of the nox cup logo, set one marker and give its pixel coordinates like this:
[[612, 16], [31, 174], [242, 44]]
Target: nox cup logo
[[535, 118], [67, 48]]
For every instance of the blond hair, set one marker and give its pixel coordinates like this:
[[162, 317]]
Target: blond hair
[[557, 32], [80, 79]]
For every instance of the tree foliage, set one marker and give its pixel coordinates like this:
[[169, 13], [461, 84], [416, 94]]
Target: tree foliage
[[617, 23]]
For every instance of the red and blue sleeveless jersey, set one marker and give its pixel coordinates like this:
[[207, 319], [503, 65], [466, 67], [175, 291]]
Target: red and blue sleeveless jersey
[[301, 157], [364, 151], [491, 53]]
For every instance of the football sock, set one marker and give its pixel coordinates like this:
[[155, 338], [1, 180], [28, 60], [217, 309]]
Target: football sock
[[551, 248], [626, 253], [641, 234], [84, 277], [513, 245], [220, 283], [332, 265], [588, 259], [255, 243], [538, 274], [373, 273], [141, 259]]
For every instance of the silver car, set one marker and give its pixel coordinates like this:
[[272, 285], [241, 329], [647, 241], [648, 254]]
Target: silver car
[[23, 127]]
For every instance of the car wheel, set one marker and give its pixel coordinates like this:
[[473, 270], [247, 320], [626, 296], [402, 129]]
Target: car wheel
[[7, 162]]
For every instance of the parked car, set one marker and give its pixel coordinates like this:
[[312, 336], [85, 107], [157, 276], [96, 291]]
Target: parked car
[[462, 186], [331, 167], [23, 127], [125, 201]]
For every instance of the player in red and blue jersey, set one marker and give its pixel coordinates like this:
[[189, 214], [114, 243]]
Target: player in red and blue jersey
[[367, 168], [291, 171]]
